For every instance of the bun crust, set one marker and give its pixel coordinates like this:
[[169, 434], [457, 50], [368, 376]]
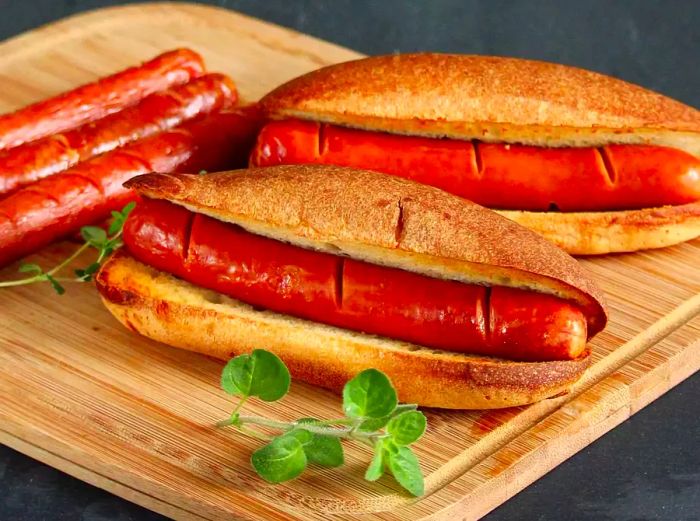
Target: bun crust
[[177, 313], [596, 233], [487, 98], [384, 220]]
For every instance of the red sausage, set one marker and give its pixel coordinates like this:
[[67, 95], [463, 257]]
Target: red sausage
[[96, 100], [27, 163], [502, 176], [59, 205], [268, 274]]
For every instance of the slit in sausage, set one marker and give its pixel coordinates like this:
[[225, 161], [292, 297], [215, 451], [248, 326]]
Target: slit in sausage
[[188, 238], [487, 326], [42, 193], [136, 157], [87, 178], [478, 164], [608, 167], [322, 143], [339, 269]]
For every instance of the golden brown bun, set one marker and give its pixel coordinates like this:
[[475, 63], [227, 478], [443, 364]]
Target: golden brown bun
[[595, 233], [177, 313], [487, 98], [384, 220]]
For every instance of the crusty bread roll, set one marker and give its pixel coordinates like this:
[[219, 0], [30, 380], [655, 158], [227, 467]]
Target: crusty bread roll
[[369, 216], [487, 98], [163, 308], [595, 233], [509, 100]]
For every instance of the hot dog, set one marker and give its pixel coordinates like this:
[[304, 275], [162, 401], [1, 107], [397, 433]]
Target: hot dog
[[59, 205], [337, 269], [96, 100], [561, 150], [27, 163]]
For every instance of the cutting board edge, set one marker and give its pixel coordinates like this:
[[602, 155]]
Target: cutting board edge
[[113, 11]]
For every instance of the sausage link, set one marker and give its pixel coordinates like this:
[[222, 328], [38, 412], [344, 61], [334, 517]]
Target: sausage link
[[268, 274], [98, 99], [59, 205], [502, 176], [27, 163]]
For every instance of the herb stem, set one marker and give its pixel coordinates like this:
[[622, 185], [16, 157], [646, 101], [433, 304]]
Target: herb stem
[[238, 407], [347, 432], [325, 423], [68, 260], [21, 282], [265, 422], [253, 433]]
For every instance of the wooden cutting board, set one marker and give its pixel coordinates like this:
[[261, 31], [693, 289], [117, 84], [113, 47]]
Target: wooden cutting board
[[84, 395]]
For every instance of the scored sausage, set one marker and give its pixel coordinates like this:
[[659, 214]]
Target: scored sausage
[[98, 99], [59, 205], [501, 176], [504, 322], [29, 162]]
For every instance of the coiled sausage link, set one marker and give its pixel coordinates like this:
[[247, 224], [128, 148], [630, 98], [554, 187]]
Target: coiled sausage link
[[59, 205], [29, 162], [98, 99]]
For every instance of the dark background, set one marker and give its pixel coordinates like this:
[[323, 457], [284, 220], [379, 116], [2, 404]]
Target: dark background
[[649, 467]]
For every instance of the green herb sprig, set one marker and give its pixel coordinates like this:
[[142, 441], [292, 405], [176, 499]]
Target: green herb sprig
[[105, 242], [373, 416]]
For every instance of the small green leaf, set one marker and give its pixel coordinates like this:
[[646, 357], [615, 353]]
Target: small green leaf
[[229, 378], [374, 424], [30, 268], [322, 450], [116, 225], [407, 427], [55, 284], [405, 468], [260, 374], [94, 235], [302, 435], [376, 467], [280, 460], [87, 273], [118, 218], [128, 208], [369, 395]]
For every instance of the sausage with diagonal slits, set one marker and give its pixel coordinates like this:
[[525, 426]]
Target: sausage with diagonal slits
[[98, 99], [496, 175], [497, 321], [27, 163]]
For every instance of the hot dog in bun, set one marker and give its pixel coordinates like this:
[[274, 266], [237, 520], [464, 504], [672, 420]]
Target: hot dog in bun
[[594, 164], [337, 270]]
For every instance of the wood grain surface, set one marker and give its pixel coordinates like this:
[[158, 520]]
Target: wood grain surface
[[136, 418]]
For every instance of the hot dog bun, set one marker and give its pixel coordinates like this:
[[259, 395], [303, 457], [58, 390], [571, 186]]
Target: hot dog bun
[[487, 98], [383, 220], [595, 233], [180, 314], [510, 100]]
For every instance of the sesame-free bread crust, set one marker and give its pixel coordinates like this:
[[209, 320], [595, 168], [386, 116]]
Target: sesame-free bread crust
[[384, 220], [165, 309], [488, 98], [597, 233]]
